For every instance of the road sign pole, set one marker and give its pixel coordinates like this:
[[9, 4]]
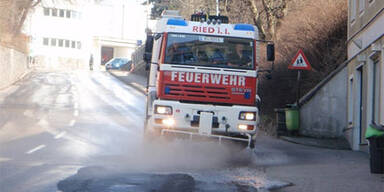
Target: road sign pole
[[298, 88], [299, 62]]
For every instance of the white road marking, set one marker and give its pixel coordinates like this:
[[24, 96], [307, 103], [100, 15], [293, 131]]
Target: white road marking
[[35, 149], [60, 135], [76, 105], [4, 159], [76, 113], [72, 123]]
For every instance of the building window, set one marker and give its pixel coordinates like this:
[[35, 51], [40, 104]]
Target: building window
[[62, 12], [68, 13], [73, 44], [45, 41], [78, 44], [353, 10], [74, 14], [361, 6], [53, 42], [46, 11], [61, 42], [54, 12], [67, 43]]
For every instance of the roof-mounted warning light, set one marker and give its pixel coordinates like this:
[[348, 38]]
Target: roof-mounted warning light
[[201, 17], [177, 22], [244, 27], [219, 19]]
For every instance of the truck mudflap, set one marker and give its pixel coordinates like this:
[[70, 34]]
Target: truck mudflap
[[221, 139]]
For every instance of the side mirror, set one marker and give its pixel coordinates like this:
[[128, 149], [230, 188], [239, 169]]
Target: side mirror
[[271, 52], [148, 49]]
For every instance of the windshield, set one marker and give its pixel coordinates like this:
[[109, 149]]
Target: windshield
[[118, 61], [212, 51]]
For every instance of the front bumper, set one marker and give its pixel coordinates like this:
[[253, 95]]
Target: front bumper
[[187, 117]]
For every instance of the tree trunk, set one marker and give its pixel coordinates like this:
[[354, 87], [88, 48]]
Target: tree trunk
[[256, 19], [29, 4]]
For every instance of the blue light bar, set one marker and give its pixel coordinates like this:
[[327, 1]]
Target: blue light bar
[[244, 27], [177, 22]]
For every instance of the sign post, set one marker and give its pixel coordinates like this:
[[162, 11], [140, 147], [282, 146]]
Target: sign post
[[299, 62]]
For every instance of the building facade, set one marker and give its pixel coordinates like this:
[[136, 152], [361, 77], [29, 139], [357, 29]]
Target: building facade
[[59, 36], [365, 69], [66, 35]]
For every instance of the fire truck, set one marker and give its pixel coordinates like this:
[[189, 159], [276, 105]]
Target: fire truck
[[203, 77]]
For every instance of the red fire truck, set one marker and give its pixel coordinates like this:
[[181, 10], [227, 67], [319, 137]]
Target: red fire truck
[[203, 78]]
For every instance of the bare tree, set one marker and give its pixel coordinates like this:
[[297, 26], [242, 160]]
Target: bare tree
[[267, 16], [23, 8]]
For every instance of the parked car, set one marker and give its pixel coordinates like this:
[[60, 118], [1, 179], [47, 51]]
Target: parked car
[[118, 63]]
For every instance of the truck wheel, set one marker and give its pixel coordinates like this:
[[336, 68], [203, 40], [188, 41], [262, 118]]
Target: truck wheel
[[150, 134]]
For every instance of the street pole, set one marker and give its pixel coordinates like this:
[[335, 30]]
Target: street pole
[[146, 21], [123, 22], [298, 88], [217, 8]]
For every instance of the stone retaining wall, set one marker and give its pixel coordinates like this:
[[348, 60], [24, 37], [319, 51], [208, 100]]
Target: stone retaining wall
[[13, 64]]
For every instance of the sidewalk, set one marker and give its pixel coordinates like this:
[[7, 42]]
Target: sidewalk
[[312, 169], [138, 82], [338, 144]]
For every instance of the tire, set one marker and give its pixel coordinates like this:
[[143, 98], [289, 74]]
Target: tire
[[150, 134]]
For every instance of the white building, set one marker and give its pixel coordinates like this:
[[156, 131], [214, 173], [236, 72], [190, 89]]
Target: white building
[[365, 70], [64, 35]]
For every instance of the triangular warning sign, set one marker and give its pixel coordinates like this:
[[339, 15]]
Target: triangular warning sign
[[300, 62]]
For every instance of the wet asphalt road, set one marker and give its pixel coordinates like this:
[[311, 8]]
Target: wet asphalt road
[[51, 124], [82, 131]]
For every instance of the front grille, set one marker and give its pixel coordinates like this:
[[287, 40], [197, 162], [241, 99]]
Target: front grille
[[196, 91]]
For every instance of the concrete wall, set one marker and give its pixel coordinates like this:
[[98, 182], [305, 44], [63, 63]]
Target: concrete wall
[[13, 64], [123, 52], [325, 114]]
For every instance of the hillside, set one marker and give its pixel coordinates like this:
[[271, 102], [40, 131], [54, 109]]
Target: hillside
[[319, 27]]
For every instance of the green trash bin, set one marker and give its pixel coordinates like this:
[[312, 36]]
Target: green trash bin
[[375, 136], [292, 119]]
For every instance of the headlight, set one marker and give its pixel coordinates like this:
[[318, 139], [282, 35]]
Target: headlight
[[242, 127], [163, 110], [249, 116], [168, 122]]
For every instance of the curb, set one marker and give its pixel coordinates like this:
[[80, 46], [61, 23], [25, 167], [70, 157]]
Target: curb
[[315, 143], [19, 78]]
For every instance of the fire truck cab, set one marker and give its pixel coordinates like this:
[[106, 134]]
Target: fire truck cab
[[203, 79]]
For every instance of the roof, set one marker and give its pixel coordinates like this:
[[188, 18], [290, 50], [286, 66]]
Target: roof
[[192, 27]]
